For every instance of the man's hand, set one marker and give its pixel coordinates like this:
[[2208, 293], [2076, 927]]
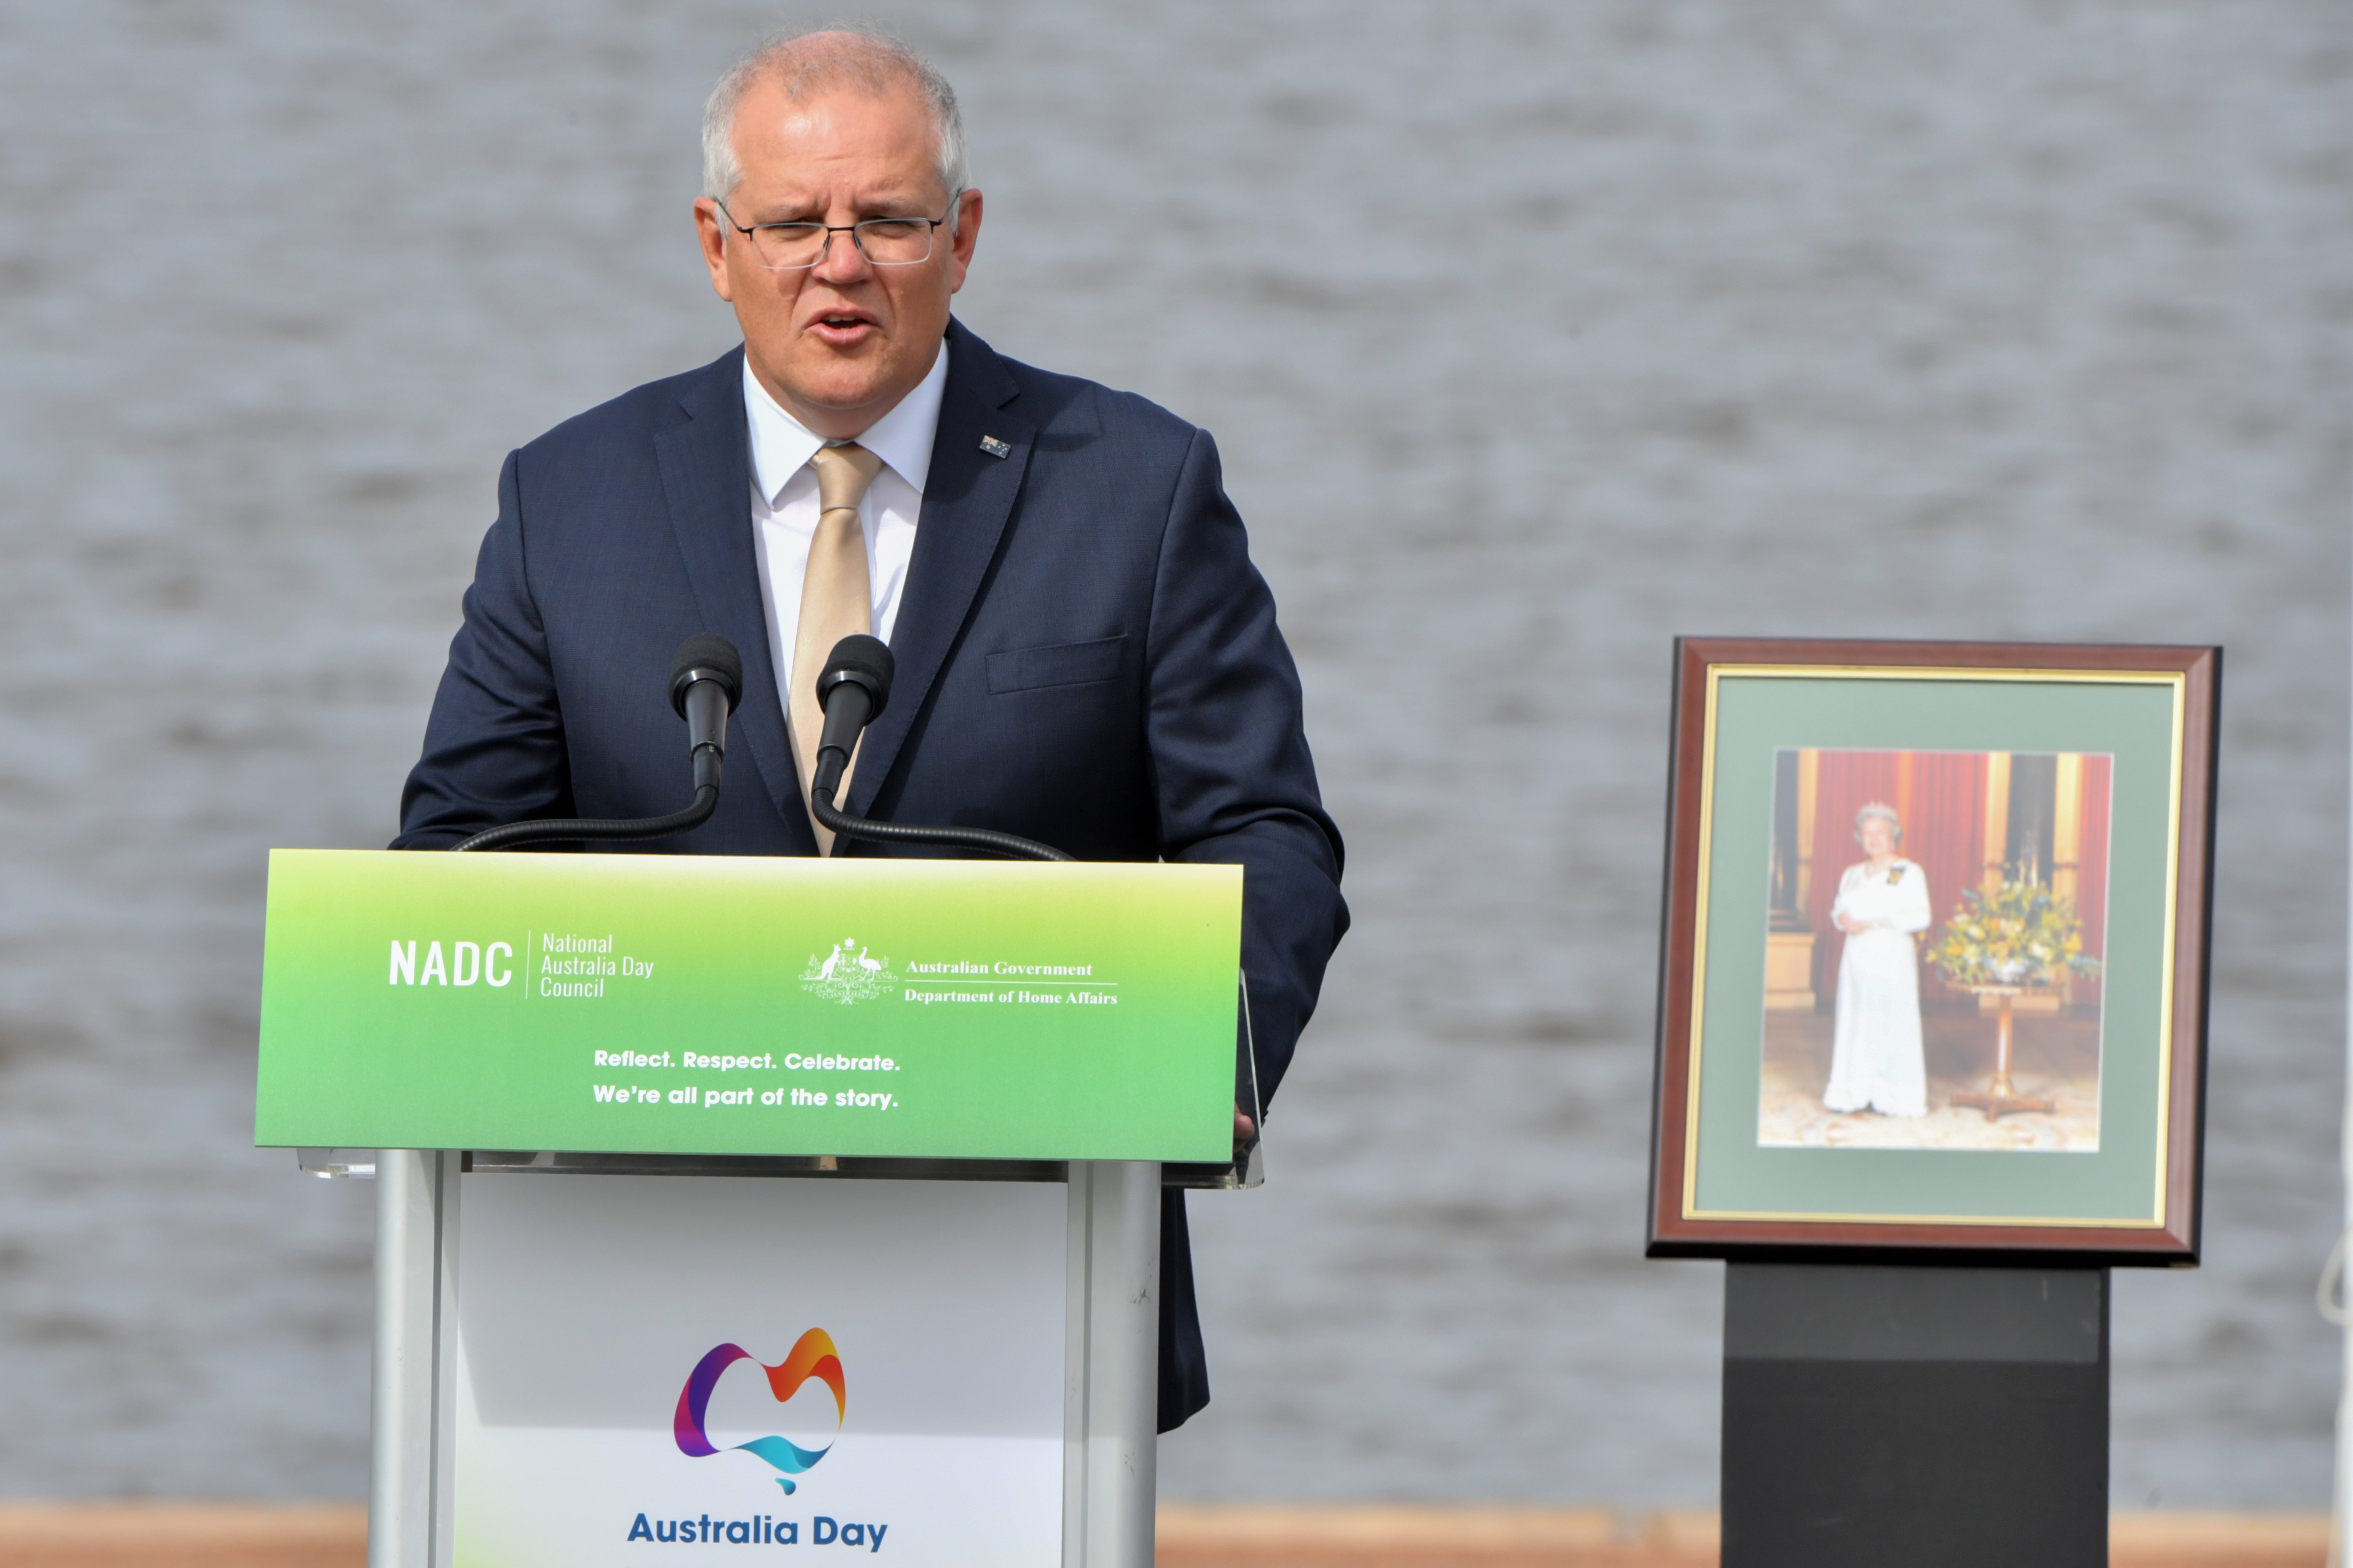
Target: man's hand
[[1244, 1128]]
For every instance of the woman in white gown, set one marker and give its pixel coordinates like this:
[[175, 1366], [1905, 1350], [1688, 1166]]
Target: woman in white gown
[[1876, 1061]]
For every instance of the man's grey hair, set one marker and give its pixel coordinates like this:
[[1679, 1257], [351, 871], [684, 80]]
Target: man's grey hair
[[806, 63], [1883, 810]]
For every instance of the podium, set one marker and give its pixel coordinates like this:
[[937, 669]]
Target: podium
[[759, 1202]]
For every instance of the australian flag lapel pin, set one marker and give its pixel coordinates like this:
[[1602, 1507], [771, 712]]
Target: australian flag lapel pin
[[995, 447]]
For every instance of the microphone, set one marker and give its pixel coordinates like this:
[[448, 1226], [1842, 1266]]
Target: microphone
[[853, 689], [706, 680]]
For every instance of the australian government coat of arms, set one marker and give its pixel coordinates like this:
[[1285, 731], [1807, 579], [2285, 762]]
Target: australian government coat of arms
[[848, 973]]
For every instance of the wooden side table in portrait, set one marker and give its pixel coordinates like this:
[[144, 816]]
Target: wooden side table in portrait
[[2000, 1100]]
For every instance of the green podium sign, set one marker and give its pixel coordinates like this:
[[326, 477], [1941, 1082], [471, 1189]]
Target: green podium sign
[[676, 1003]]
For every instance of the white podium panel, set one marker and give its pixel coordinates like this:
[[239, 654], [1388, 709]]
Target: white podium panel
[[577, 1369], [585, 1307]]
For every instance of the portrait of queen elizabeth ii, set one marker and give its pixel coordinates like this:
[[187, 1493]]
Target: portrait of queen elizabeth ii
[[1892, 1018], [1934, 998]]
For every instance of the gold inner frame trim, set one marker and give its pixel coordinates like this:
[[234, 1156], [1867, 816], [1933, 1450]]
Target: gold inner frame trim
[[2179, 683]]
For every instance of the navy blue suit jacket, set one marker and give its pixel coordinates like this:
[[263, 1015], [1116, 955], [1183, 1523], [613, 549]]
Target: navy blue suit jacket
[[1085, 656]]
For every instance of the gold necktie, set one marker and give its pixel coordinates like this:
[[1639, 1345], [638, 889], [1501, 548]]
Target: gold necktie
[[837, 599]]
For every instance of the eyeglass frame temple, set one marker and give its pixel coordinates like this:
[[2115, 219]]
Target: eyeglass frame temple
[[826, 246]]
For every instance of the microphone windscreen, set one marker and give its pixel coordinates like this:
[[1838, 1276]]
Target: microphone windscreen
[[865, 660], [706, 655]]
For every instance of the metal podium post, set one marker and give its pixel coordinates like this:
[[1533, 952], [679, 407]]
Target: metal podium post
[[1112, 1424], [402, 1420]]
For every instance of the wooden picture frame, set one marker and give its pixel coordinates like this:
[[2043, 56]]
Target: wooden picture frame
[[2063, 853]]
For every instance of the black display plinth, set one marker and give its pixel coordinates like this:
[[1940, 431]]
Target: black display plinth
[[1916, 1416]]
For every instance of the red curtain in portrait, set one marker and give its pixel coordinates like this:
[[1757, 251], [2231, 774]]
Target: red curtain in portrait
[[2091, 868]]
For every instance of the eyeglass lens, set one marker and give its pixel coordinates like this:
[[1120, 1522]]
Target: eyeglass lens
[[884, 241]]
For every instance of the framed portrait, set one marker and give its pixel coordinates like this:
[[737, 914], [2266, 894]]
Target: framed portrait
[[1932, 971]]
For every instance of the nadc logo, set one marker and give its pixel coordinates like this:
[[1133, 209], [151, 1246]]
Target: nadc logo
[[813, 1356]]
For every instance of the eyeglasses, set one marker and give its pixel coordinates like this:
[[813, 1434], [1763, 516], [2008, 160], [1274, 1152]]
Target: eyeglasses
[[796, 247]]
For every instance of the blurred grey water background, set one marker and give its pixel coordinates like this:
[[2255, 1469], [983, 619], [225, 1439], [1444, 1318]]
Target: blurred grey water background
[[1533, 334]]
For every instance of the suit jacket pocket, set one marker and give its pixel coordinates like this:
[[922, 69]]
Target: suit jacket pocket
[[1059, 664]]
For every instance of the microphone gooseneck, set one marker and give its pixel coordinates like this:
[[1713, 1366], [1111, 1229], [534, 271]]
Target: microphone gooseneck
[[853, 689], [577, 829], [705, 683]]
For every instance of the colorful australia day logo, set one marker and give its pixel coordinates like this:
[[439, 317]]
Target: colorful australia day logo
[[812, 1356]]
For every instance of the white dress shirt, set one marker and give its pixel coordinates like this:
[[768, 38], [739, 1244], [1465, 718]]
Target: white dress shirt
[[785, 509]]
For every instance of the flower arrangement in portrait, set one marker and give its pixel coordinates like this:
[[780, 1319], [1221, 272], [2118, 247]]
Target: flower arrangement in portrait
[[2020, 934]]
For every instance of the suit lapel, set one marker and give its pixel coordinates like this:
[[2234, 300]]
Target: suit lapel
[[967, 497], [706, 473]]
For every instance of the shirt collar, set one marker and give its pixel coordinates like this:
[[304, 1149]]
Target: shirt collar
[[782, 445]]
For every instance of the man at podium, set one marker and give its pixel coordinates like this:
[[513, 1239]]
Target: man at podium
[[1085, 654]]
